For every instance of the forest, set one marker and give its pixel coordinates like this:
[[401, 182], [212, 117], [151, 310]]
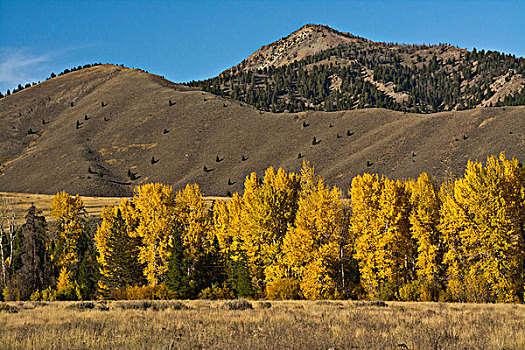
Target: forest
[[431, 84], [288, 236]]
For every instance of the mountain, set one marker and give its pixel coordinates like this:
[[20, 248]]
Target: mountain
[[104, 129], [319, 68]]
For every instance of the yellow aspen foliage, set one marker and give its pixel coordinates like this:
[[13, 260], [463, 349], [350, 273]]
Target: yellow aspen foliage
[[266, 211], [155, 204], [380, 224], [396, 252], [365, 193], [424, 221], [229, 235], [64, 279], [312, 248], [483, 226], [118, 248], [220, 222], [194, 220], [69, 214]]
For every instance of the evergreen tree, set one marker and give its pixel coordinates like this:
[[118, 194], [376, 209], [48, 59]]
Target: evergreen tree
[[118, 249], [177, 279], [34, 275]]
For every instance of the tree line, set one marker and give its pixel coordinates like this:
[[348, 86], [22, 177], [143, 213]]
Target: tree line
[[288, 236], [21, 87]]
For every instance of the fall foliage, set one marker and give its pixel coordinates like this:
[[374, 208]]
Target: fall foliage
[[291, 236]]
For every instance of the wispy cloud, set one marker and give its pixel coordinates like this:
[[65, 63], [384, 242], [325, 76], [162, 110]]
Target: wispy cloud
[[21, 66]]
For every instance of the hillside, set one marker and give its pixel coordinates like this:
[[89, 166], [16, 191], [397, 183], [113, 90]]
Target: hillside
[[132, 135], [319, 68]]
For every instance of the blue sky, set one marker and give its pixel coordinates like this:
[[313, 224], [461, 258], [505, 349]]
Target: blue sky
[[186, 40]]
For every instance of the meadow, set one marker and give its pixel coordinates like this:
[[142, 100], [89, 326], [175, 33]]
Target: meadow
[[204, 324]]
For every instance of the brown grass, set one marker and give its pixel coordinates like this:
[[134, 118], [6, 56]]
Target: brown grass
[[285, 325], [93, 205]]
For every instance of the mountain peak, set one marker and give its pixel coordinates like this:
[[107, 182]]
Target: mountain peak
[[305, 41]]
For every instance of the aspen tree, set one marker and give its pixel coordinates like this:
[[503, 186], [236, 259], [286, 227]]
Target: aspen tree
[[484, 225], [194, 219], [312, 247], [155, 204], [69, 213], [424, 221], [364, 228], [265, 214]]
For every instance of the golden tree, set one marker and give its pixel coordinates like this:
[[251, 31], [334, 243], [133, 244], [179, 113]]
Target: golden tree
[[155, 204], [424, 221], [380, 225], [266, 211], [314, 247], [69, 214], [365, 193], [194, 220], [483, 222]]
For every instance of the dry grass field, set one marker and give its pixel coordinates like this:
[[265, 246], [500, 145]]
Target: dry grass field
[[269, 325], [93, 205]]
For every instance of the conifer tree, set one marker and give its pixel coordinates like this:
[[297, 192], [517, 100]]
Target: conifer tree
[[118, 249], [34, 274], [177, 279]]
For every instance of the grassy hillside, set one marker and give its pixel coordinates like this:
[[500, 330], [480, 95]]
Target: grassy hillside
[[48, 144]]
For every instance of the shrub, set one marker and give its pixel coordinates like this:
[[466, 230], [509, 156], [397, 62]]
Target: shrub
[[264, 305], [70, 292], [153, 305], [10, 309], [83, 305], [329, 303], [216, 292], [284, 289], [36, 296], [10, 293], [240, 304], [419, 291], [378, 303], [48, 294], [159, 292]]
